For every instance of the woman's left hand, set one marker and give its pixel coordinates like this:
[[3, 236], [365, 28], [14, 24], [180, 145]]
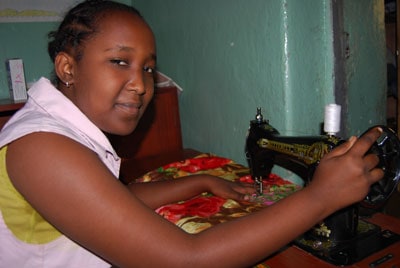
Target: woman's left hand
[[238, 191]]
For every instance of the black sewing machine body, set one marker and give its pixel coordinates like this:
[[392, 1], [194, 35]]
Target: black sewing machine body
[[266, 148], [342, 238]]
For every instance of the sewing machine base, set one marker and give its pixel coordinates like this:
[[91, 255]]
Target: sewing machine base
[[369, 239]]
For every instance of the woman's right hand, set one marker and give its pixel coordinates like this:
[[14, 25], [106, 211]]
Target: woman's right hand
[[345, 175]]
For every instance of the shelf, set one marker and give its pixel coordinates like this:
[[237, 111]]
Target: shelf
[[8, 105]]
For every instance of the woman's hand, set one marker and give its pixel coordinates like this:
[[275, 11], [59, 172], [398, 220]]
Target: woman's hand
[[345, 175], [227, 189]]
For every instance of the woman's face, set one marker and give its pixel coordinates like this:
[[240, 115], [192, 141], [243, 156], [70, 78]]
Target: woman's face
[[114, 80]]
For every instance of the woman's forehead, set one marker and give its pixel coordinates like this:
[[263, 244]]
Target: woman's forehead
[[124, 24], [123, 31]]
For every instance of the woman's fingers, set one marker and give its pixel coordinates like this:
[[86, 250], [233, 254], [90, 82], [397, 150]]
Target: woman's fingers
[[365, 142]]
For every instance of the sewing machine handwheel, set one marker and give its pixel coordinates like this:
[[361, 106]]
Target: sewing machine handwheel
[[387, 147]]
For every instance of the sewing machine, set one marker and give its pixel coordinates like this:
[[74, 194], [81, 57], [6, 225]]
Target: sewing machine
[[342, 238]]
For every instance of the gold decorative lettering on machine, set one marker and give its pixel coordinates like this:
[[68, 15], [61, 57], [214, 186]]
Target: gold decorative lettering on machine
[[335, 239], [309, 154]]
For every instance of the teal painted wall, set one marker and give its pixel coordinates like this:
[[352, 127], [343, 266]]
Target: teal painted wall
[[365, 64], [27, 41], [231, 56]]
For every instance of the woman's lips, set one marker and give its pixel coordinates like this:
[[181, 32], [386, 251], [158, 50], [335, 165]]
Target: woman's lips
[[129, 108]]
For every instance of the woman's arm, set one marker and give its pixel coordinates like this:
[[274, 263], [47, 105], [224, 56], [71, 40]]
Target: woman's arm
[[70, 187], [156, 194]]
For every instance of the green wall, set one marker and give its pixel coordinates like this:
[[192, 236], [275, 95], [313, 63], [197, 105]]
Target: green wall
[[27, 41], [232, 56], [365, 64]]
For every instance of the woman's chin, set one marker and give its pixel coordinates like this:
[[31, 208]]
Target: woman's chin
[[121, 131]]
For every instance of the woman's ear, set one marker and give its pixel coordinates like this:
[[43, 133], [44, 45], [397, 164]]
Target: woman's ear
[[63, 66]]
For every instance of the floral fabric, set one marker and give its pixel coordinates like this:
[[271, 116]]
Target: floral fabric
[[206, 210]]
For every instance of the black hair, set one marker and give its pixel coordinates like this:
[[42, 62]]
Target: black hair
[[80, 24]]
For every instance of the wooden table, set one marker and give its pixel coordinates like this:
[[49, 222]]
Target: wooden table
[[291, 256]]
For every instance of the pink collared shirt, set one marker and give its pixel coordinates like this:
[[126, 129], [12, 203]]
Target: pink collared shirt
[[46, 110]]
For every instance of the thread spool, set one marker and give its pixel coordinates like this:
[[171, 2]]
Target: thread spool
[[332, 119]]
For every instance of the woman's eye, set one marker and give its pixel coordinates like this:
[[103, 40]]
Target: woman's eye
[[119, 62], [149, 70]]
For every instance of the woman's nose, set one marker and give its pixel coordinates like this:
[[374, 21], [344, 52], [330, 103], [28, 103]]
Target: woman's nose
[[137, 85]]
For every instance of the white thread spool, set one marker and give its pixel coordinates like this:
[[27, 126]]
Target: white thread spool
[[332, 119]]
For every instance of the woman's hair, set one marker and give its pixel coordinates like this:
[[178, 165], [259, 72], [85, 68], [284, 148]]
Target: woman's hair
[[80, 24]]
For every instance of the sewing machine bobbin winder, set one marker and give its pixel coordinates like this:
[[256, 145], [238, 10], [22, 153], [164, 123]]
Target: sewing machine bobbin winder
[[342, 238]]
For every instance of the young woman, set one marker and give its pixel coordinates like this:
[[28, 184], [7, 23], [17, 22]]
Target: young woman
[[61, 203]]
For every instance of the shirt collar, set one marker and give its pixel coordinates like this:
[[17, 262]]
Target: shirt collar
[[50, 99]]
